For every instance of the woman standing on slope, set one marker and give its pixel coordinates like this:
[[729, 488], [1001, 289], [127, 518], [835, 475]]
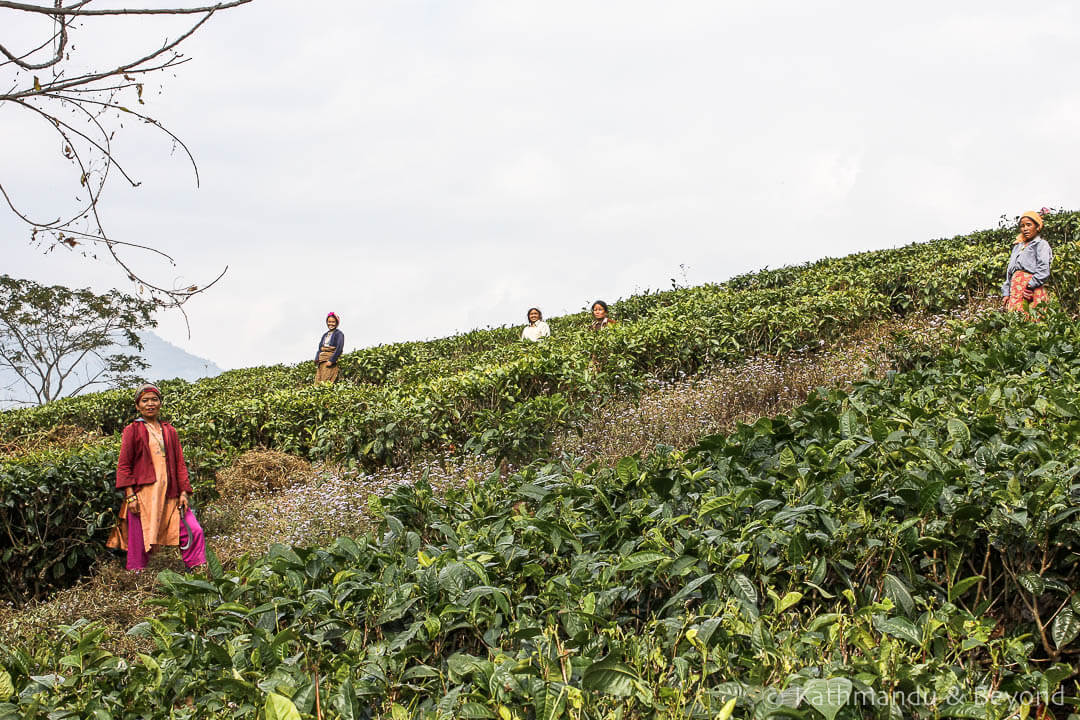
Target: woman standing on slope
[[330, 346], [536, 328], [152, 473], [601, 319], [1029, 266]]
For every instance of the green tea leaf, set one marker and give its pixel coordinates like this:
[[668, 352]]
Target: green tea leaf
[[550, 703], [822, 621], [849, 423], [962, 586], [642, 559], [787, 458], [896, 591], [154, 668], [958, 431], [1032, 582], [419, 671], [1065, 628], [827, 696], [899, 627], [279, 707], [744, 588], [344, 701], [712, 505], [473, 710], [971, 711], [789, 599], [7, 688], [609, 676]]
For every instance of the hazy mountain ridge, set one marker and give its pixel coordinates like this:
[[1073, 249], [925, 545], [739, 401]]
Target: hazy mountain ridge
[[167, 361]]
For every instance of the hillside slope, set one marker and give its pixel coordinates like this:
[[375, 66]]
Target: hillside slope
[[904, 549], [482, 391]]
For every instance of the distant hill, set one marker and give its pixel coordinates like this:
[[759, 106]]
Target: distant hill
[[167, 361]]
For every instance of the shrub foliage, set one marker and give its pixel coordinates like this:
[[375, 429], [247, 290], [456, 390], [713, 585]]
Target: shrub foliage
[[906, 549], [488, 392]]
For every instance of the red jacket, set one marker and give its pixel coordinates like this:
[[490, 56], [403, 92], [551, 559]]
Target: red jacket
[[135, 467]]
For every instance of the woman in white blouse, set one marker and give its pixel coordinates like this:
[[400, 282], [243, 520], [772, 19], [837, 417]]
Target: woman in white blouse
[[536, 328]]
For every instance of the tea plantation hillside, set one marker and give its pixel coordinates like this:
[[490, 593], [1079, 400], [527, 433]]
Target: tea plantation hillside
[[905, 549], [483, 391]]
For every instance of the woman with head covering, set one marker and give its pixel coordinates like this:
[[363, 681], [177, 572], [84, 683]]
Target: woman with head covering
[[601, 319], [1029, 266], [330, 346], [536, 328], [152, 473]]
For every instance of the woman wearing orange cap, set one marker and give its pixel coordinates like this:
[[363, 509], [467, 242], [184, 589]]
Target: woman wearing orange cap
[[154, 478], [1029, 266]]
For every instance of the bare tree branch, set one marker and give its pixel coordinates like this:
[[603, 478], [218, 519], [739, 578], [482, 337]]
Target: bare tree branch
[[76, 9], [145, 118], [18, 60], [102, 99], [126, 68]]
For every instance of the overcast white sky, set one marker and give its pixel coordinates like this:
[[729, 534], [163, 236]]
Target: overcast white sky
[[423, 168]]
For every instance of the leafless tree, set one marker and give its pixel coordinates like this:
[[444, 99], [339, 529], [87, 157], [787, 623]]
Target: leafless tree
[[85, 107]]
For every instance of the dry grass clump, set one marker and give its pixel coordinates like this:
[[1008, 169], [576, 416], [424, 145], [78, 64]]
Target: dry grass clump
[[679, 413], [261, 471], [327, 504], [60, 437], [247, 492], [112, 596]]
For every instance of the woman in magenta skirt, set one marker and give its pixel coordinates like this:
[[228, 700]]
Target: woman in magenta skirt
[[152, 473]]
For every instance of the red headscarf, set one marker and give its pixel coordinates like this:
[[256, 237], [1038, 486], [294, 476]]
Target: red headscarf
[[143, 389]]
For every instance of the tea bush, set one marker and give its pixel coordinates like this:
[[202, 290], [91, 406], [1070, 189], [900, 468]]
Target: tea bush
[[487, 391], [905, 549], [930, 276], [56, 509]]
